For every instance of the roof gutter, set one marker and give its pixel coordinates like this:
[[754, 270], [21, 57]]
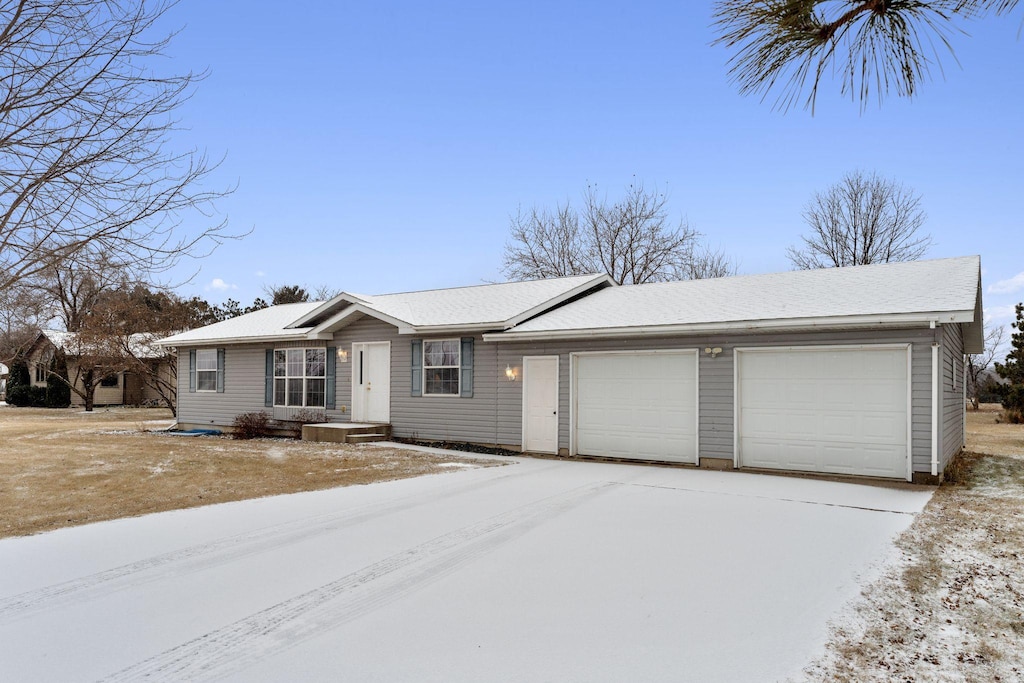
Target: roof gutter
[[170, 343], [866, 322]]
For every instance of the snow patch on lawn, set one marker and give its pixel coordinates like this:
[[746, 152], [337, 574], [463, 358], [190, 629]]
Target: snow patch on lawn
[[952, 606]]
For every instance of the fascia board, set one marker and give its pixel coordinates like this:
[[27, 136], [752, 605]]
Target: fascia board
[[170, 342], [892, 320]]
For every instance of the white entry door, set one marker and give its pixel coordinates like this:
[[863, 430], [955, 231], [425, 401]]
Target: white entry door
[[540, 404], [371, 382]]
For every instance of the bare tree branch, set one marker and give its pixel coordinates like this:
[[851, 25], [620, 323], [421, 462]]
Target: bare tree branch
[[633, 240], [861, 219], [85, 132], [979, 363]]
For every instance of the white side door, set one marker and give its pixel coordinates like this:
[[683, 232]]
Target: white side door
[[371, 382], [540, 404]]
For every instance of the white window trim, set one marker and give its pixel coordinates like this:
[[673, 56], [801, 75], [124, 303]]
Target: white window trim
[[457, 366], [305, 378], [214, 371]]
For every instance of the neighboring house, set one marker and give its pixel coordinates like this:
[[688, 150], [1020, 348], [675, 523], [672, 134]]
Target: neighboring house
[[4, 373], [117, 388], [854, 371]]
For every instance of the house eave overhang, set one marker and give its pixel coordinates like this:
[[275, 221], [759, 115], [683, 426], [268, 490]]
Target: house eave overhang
[[170, 342], [775, 325]]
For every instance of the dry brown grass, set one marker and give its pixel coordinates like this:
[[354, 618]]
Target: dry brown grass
[[62, 468], [954, 608]]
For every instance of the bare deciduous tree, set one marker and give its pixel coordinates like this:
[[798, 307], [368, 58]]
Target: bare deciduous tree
[[978, 363], [861, 219], [75, 285], [872, 46], [23, 310], [85, 140], [633, 240]]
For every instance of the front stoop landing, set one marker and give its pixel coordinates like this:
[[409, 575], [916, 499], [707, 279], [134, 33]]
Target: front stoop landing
[[346, 432]]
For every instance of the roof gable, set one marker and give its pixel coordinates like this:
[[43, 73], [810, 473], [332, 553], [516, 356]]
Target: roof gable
[[476, 308]]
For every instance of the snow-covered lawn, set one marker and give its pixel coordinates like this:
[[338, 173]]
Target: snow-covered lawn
[[542, 570], [951, 608]]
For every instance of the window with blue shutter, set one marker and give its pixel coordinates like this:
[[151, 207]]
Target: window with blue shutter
[[268, 391], [466, 380], [192, 371], [417, 367], [332, 364], [220, 371]]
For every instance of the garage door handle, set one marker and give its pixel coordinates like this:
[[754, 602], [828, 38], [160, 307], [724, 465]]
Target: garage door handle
[[554, 412]]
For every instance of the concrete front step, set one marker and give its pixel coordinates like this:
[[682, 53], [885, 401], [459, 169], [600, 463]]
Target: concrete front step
[[346, 432]]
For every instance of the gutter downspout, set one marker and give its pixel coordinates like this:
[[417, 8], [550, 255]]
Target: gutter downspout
[[935, 406], [963, 400]]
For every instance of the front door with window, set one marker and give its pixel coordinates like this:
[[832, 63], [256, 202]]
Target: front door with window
[[371, 382]]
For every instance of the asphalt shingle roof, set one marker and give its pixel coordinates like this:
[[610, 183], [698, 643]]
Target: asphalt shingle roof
[[936, 286]]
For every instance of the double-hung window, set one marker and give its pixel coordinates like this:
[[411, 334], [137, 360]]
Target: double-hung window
[[441, 363], [206, 370], [300, 377]]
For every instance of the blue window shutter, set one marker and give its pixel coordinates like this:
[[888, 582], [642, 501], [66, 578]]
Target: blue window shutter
[[192, 371], [417, 367], [466, 379], [268, 397], [220, 371], [332, 364]]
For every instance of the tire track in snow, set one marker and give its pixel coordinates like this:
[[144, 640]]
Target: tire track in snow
[[223, 550], [240, 645]]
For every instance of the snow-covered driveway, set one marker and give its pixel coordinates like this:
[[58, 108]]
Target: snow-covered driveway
[[541, 570]]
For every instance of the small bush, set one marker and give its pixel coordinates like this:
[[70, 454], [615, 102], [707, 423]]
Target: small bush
[[24, 396], [1012, 398], [252, 425]]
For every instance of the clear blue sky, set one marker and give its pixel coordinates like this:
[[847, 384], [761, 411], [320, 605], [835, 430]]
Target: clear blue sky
[[382, 146]]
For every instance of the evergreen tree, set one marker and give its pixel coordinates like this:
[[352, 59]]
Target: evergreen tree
[[19, 376], [1013, 371], [58, 390]]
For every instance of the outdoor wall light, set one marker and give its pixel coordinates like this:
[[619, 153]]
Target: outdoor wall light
[[510, 373], [342, 355], [713, 351]]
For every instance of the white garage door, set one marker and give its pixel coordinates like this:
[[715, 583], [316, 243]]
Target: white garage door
[[840, 410], [637, 405]]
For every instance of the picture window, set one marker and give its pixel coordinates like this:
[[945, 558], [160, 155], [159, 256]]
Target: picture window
[[300, 377]]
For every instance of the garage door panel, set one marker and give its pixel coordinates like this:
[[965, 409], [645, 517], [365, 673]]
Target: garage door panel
[[636, 405], [826, 410]]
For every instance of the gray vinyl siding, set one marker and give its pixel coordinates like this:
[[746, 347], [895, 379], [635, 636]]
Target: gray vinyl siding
[[716, 380], [494, 413], [443, 418], [244, 367], [951, 379]]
